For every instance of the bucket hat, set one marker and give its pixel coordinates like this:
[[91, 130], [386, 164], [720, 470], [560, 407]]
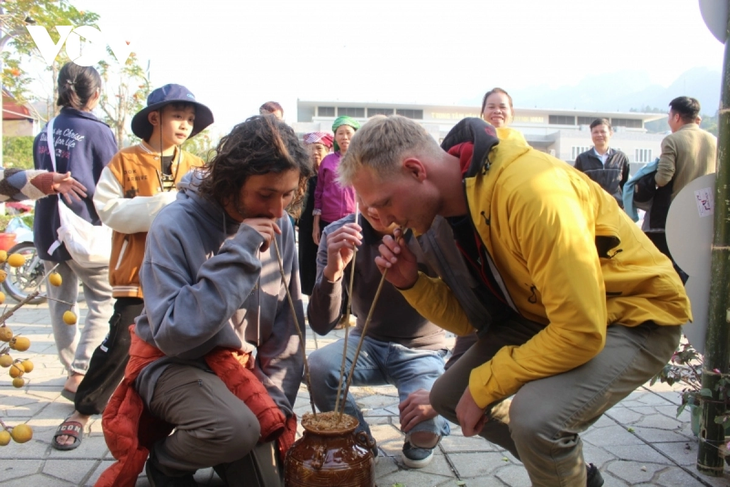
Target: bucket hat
[[171, 93]]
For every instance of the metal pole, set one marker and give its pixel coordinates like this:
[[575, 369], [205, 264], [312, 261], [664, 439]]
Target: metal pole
[[717, 343]]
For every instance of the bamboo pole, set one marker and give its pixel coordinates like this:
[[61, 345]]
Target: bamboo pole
[[717, 342]]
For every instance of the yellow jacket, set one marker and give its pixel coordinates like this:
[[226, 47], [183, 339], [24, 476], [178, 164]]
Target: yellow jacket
[[569, 257]]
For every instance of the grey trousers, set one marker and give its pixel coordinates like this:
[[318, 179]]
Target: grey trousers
[[74, 343], [213, 428], [541, 423]]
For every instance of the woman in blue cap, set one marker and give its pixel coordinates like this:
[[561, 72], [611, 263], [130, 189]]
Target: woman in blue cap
[[332, 201]]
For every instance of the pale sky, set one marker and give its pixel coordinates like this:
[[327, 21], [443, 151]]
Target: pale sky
[[235, 55]]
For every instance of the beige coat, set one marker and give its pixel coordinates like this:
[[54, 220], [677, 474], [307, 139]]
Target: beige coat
[[687, 154]]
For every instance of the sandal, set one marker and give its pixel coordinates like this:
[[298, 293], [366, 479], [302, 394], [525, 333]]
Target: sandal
[[74, 429]]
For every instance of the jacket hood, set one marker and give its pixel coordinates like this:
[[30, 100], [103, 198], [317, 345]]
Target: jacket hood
[[188, 189], [475, 135]]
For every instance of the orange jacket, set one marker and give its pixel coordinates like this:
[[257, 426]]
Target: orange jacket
[[130, 430]]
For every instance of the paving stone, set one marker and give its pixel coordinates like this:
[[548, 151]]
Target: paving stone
[[17, 468], [652, 435], [634, 471], [637, 453], [512, 475], [412, 478], [458, 443], [96, 473], [38, 480], [612, 435], [469, 465], [682, 453], [672, 477], [70, 470]]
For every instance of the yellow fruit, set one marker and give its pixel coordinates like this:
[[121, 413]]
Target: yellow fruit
[[55, 279], [69, 317], [6, 360], [18, 382], [4, 434], [2, 296], [27, 366], [16, 370], [5, 333], [19, 343], [3, 275], [3, 256], [22, 433], [16, 260]]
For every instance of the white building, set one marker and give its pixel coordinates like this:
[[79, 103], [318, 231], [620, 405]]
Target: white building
[[561, 133]]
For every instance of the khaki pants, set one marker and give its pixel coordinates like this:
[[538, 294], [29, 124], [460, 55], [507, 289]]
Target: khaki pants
[[541, 422], [213, 428]]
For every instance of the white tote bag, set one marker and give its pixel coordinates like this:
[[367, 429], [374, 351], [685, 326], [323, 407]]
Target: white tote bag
[[89, 245]]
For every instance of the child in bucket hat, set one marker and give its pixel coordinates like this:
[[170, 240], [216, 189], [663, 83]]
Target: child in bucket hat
[[136, 184]]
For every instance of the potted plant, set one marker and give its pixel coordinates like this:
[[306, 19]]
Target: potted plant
[[685, 368]]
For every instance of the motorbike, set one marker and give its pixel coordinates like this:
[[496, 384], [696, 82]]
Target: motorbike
[[27, 278]]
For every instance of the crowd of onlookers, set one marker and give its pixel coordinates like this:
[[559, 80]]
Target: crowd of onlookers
[[191, 349]]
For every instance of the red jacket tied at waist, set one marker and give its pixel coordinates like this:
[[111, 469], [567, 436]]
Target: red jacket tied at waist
[[130, 430]]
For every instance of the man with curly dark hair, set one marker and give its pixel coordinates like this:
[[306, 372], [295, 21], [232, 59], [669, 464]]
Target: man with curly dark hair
[[216, 353]]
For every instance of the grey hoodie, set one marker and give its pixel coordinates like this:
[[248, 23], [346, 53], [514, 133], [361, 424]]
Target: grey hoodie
[[207, 285]]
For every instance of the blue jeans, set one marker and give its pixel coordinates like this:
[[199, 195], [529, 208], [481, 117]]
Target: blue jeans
[[379, 363]]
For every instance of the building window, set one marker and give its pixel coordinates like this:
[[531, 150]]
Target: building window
[[561, 120], [577, 150], [326, 111], [379, 111], [626, 122], [643, 155], [585, 120], [351, 112], [407, 112]]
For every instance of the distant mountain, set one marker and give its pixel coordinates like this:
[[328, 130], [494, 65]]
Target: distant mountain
[[623, 91]]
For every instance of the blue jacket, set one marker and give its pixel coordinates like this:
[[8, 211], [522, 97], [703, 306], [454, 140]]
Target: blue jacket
[[84, 145], [628, 195]]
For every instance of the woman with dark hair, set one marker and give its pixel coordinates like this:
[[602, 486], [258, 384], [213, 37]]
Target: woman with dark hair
[[498, 111], [319, 145], [83, 145]]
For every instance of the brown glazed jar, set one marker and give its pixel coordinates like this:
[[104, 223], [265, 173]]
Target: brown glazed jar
[[330, 454]]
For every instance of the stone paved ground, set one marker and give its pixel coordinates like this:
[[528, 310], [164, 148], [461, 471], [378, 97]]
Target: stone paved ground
[[640, 442]]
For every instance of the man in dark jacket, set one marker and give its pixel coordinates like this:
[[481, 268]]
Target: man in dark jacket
[[607, 167]]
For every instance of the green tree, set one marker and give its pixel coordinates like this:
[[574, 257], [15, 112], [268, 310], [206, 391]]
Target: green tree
[[16, 15], [125, 85], [18, 151], [125, 96], [201, 145]]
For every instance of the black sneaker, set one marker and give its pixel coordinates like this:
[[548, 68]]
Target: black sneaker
[[158, 479], [595, 479], [415, 457]]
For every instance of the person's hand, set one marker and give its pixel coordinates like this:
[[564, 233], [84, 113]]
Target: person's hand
[[340, 248], [471, 417], [68, 187], [267, 228], [398, 259], [415, 409], [315, 231]]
